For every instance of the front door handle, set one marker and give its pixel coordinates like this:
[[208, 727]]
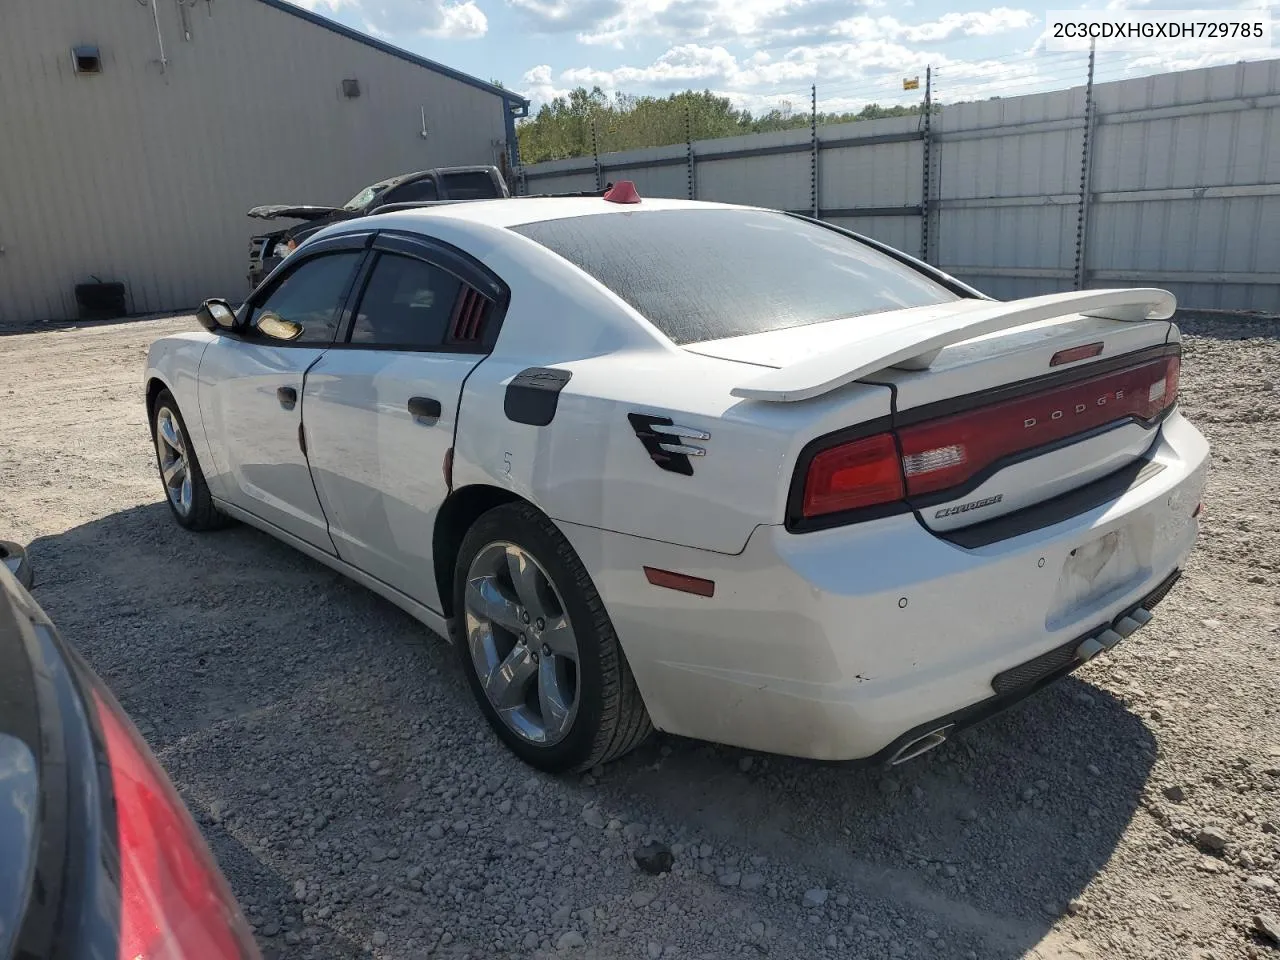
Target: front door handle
[[424, 408], [287, 397]]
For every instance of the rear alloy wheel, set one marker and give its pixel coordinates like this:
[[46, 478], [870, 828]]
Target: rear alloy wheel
[[521, 643], [184, 484], [538, 648]]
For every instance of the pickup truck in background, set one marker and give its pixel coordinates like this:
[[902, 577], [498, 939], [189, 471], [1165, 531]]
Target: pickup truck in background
[[441, 183]]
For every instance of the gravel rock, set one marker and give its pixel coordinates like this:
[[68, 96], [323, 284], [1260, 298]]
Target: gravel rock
[[592, 817], [642, 898], [730, 879], [379, 938], [1212, 840], [1267, 927], [751, 881], [815, 897], [569, 940], [1175, 792], [654, 858]]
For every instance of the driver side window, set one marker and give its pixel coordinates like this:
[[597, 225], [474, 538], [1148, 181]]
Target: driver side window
[[311, 296]]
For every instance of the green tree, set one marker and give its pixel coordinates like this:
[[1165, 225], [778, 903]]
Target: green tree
[[563, 127]]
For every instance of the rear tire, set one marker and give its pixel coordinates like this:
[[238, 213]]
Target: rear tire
[[183, 481], [517, 635]]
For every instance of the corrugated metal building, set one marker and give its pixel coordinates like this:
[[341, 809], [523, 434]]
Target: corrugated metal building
[[135, 135]]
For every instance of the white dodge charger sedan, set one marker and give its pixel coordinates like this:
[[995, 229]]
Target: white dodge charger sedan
[[725, 472]]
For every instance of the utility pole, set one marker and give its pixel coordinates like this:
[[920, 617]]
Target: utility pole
[[1080, 273]]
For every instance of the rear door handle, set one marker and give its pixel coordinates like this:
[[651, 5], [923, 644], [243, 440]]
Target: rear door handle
[[424, 408], [287, 397]]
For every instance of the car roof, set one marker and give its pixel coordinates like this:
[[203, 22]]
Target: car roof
[[517, 211]]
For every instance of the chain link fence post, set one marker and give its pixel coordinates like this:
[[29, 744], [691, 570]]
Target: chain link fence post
[[1080, 274], [692, 172], [927, 166], [595, 151], [813, 149]]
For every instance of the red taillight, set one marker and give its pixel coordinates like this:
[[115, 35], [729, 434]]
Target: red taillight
[[943, 453], [174, 904], [861, 473], [946, 452]]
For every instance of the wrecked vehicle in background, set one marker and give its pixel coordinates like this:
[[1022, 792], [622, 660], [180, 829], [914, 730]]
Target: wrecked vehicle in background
[[439, 183]]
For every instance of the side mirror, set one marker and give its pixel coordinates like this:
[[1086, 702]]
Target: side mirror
[[15, 559], [216, 316], [278, 328]]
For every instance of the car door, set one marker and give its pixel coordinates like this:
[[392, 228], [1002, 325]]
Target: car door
[[251, 389], [382, 406]]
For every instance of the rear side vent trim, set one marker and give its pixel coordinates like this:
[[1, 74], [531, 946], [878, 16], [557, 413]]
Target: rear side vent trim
[[469, 315]]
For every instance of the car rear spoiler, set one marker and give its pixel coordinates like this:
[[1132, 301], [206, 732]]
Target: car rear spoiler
[[914, 346]]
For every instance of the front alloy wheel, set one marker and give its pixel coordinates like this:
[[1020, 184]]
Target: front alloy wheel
[[180, 473], [175, 469]]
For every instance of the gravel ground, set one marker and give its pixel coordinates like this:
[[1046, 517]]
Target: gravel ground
[[359, 805]]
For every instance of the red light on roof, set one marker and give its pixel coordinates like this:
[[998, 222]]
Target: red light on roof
[[624, 191]]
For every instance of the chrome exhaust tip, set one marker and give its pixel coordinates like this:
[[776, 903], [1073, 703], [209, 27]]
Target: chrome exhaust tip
[[920, 745]]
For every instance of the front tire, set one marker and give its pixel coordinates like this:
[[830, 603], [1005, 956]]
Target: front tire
[[538, 648], [184, 485]]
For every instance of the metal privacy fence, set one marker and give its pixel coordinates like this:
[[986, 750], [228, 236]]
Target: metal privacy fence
[[1171, 180]]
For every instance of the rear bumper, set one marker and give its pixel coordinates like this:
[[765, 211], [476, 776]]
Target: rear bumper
[[1014, 685], [837, 644]]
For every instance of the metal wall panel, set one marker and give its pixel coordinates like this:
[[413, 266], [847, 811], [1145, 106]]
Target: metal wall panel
[[900, 232], [780, 181], [1184, 190], [664, 181], [143, 174]]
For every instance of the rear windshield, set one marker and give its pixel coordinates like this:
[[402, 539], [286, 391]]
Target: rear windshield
[[707, 274]]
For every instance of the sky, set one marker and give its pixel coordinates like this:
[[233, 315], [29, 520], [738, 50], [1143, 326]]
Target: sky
[[765, 54]]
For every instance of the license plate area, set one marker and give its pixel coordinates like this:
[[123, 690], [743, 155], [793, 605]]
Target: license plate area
[[1099, 571]]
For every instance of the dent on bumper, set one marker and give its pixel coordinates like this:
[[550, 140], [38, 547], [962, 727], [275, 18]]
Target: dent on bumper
[[833, 645]]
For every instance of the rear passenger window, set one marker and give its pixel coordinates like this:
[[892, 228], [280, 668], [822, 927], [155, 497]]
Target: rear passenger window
[[407, 303]]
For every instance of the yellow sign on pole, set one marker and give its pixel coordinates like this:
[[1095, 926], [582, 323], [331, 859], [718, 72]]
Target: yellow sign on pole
[[911, 83]]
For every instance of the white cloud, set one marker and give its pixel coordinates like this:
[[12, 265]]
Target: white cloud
[[450, 19], [866, 63], [537, 85], [755, 22], [848, 75]]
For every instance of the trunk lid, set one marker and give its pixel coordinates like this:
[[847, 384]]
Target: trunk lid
[[284, 211], [991, 423]]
